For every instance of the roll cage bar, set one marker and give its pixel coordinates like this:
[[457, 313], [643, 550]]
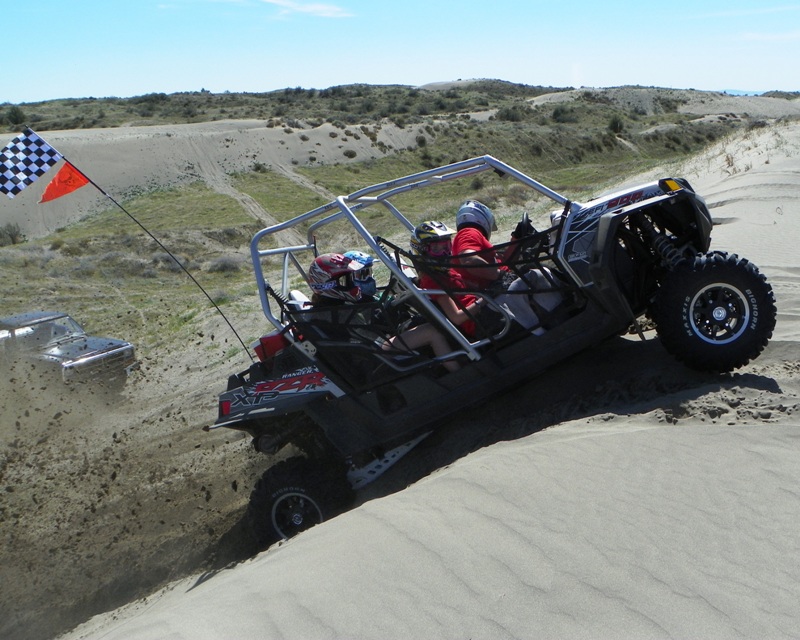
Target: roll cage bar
[[349, 206]]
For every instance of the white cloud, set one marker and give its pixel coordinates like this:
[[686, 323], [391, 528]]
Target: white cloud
[[312, 8], [755, 11], [787, 36]]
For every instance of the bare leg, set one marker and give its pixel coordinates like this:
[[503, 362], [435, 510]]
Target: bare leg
[[421, 336]]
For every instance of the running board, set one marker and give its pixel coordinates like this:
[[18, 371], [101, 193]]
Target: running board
[[362, 476]]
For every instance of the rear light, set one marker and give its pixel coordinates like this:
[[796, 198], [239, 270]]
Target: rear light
[[224, 408], [270, 345]]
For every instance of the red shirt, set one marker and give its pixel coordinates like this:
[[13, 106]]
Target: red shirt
[[471, 240], [451, 280]]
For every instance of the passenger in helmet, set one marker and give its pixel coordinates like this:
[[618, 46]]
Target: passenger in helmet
[[433, 239], [363, 277], [332, 279]]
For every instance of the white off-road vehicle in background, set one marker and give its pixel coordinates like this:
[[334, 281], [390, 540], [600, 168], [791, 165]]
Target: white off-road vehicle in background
[[50, 346]]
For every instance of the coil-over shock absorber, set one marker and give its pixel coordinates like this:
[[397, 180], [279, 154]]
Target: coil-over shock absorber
[[661, 243]]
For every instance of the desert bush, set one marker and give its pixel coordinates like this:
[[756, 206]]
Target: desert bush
[[616, 124], [137, 267], [224, 264], [168, 262], [10, 233], [15, 116], [564, 114], [73, 250], [85, 269], [514, 113], [517, 195], [112, 257], [221, 296], [349, 153]]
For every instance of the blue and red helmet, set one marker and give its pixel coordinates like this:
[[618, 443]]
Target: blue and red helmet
[[363, 278], [331, 275]]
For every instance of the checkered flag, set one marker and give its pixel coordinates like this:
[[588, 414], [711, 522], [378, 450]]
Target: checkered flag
[[22, 161]]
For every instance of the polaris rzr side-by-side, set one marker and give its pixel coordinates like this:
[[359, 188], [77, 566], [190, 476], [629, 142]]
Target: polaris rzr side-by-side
[[641, 253]]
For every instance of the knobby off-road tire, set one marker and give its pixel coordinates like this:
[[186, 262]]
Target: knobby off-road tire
[[294, 495], [716, 313]]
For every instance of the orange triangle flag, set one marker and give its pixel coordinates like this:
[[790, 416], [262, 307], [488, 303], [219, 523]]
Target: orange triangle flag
[[67, 180]]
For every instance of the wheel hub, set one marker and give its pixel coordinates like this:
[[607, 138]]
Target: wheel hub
[[720, 313], [295, 512]]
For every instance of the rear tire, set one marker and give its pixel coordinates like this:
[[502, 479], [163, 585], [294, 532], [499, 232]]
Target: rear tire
[[716, 313], [295, 495]]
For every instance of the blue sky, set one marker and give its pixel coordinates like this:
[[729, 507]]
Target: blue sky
[[101, 48]]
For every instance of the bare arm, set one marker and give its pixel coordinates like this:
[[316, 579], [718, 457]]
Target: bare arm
[[455, 314], [482, 268]]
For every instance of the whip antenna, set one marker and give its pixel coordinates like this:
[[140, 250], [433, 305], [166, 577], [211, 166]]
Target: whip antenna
[[178, 262]]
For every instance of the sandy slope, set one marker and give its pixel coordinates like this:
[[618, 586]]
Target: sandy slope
[[127, 159], [619, 496], [668, 509]]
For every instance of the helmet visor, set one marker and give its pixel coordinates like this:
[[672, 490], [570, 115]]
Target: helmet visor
[[439, 249]]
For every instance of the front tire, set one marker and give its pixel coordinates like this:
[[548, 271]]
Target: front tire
[[716, 313], [295, 495]]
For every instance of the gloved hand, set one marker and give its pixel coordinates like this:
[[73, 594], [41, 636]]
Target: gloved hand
[[524, 228]]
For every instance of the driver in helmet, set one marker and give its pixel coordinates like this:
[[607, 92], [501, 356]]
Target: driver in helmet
[[472, 244], [481, 267]]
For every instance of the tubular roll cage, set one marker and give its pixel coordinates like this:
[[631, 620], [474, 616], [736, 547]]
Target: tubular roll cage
[[348, 207]]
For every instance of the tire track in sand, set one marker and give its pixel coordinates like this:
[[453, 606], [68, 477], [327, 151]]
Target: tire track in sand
[[216, 179]]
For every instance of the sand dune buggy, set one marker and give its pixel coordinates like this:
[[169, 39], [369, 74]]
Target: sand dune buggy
[[640, 253]]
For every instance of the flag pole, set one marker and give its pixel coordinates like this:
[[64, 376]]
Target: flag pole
[[168, 252]]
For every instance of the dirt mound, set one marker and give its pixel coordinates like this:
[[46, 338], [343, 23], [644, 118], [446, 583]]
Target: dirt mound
[[650, 100]]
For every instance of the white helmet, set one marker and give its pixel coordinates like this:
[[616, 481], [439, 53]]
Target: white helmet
[[474, 212]]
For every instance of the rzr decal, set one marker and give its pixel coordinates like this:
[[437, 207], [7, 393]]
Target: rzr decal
[[293, 384], [311, 382]]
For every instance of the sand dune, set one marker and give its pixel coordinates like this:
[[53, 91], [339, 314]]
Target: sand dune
[[620, 496]]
